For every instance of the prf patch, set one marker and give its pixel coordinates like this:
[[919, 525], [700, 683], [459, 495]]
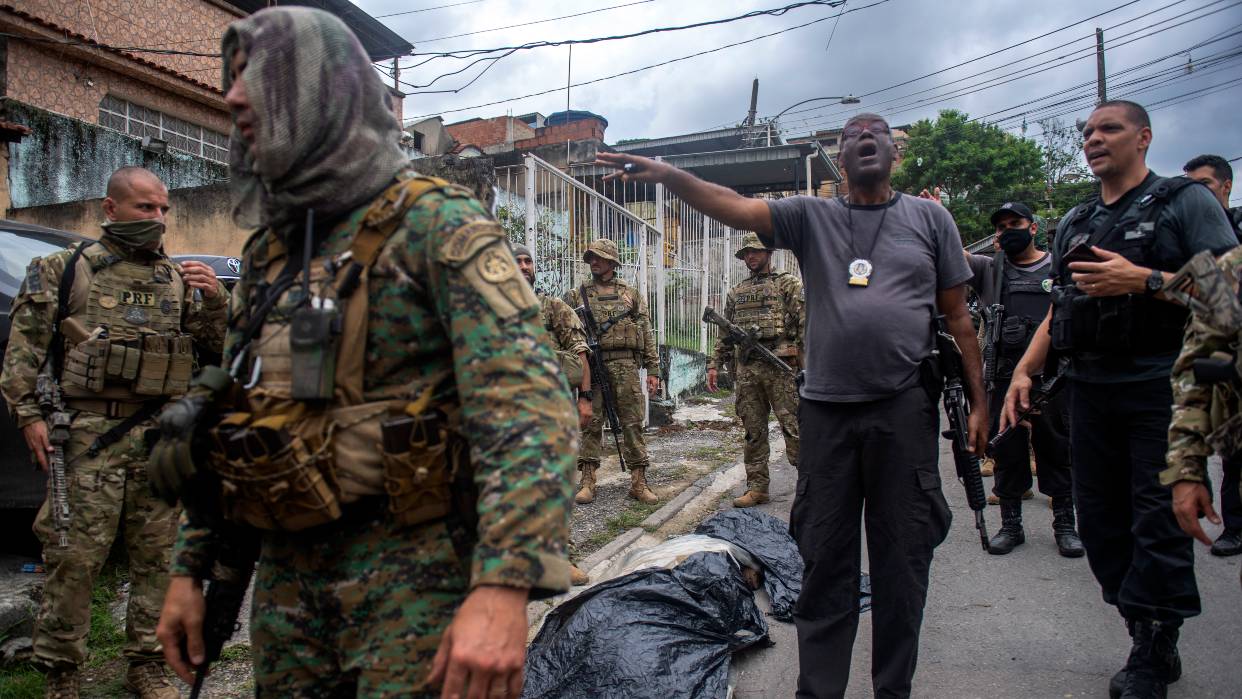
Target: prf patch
[[138, 298], [495, 265]]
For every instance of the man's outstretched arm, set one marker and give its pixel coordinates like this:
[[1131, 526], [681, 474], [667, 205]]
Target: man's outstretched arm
[[720, 203]]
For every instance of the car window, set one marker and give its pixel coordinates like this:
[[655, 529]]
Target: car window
[[16, 252]]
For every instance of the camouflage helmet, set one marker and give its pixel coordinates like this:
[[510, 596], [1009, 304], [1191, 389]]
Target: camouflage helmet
[[750, 241], [604, 249]]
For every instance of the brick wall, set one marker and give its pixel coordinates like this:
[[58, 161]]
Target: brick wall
[[63, 84], [580, 130], [488, 132], [183, 25]]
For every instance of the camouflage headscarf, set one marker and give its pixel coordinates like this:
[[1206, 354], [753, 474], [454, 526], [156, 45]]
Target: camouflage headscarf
[[326, 138]]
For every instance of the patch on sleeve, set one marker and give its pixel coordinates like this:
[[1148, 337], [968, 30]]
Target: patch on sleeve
[[494, 275], [34, 280], [465, 242]]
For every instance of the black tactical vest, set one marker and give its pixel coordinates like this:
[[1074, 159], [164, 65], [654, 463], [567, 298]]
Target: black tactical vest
[[1133, 324], [1025, 295]]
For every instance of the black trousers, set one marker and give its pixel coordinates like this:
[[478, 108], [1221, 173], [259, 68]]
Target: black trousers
[[1049, 435], [1141, 558], [875, 461], [1230, 498]]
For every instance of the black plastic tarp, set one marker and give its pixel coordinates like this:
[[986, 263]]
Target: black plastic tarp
[[653, 634], [767, 539]]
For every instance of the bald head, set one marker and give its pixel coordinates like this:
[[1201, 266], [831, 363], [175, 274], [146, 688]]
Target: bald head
[[134, 194]]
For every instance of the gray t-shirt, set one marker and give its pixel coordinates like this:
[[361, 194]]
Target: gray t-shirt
[[866, 343], [1192, 221]]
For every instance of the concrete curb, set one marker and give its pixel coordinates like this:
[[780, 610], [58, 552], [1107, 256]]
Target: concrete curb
[[612, 548]]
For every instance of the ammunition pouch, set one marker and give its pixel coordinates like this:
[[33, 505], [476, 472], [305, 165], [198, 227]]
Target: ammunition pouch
[[625, 334], [1126, 325], [295, 471], [151, 364]]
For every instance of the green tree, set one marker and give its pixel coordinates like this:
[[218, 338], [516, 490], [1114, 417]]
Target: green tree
[[977, 166], [1067, 181]]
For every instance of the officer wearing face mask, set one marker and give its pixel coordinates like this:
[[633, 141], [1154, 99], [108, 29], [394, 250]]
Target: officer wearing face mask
[[1013, 284], [113, 322]]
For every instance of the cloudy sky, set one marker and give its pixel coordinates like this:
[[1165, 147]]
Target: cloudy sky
[[880, 50]]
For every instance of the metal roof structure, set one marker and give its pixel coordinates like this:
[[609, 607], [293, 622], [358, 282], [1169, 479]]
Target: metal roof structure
[[380, 42], [780, 168]]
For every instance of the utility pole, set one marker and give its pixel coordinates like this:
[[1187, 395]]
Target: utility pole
[[754, 103], [1101, 84]]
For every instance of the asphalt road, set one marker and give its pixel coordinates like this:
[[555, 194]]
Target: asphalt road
[[1029, 624]]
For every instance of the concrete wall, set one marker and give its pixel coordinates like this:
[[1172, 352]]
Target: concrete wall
[[199, 220], [684, 371], [67, 160]]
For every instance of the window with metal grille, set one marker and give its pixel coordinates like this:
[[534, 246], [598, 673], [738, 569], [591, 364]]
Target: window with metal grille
[[138, 121]]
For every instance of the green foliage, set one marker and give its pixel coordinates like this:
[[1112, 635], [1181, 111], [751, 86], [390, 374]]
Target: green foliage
[[104, 644], [977, 166]]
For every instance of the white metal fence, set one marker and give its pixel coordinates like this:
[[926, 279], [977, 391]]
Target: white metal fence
[[680, 259]]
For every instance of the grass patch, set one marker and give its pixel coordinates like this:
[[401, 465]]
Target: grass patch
[[239, 652], [631, 517], [104, 644]]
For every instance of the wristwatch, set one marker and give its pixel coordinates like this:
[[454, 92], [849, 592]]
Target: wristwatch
[[1155, 282], [586, 395]]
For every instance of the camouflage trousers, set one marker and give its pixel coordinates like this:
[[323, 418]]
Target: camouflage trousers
[[109, 496], [630, 402], [761, 389], [355, 608]]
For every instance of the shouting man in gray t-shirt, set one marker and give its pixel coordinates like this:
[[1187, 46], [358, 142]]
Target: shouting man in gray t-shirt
[[877, 267]]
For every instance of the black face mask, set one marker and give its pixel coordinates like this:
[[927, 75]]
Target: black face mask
[[1015, 240]]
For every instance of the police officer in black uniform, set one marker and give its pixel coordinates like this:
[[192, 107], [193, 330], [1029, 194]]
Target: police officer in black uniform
[[1215, 172], [1014, 287], [1111, 259]]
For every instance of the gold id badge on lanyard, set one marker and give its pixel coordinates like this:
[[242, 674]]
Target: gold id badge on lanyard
[[860, 272]]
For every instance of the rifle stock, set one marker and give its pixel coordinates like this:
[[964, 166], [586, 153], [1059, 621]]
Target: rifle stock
[[744, 340], [599, 373]]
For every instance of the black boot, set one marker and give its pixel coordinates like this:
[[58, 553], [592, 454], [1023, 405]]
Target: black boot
[[1010, 534], [1068, 543], [1229, 543], [1154, 662]]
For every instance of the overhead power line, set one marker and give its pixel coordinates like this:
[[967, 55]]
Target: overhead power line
[[1023, 73], [649, 67], [538, 21], [507, 51], [93, 44], [427, 9]]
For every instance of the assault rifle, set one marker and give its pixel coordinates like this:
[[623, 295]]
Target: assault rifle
[[1039, 398], [992, 317], [599, 373], [966, 463], [226, 591], [57, 418], [738, 337]]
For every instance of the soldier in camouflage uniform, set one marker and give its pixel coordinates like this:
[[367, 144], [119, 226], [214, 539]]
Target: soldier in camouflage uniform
[[627, 346], [1217, 174], [141, 313], [1207, 417], [568, 340], [381, 574], [770, 304]]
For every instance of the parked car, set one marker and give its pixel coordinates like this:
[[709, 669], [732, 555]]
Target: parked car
[[21, 486]]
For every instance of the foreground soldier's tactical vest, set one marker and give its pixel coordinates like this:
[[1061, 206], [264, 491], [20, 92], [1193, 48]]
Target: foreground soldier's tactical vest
[[620, 305], [136, 350], [290, 465], [1025, 295], [1129, 325], [758, 307]]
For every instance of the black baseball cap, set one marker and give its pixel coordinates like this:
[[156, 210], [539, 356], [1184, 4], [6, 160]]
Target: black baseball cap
[[1013, 207]]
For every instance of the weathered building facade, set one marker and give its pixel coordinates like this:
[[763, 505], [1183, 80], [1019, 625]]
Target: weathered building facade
[[84, 83]]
